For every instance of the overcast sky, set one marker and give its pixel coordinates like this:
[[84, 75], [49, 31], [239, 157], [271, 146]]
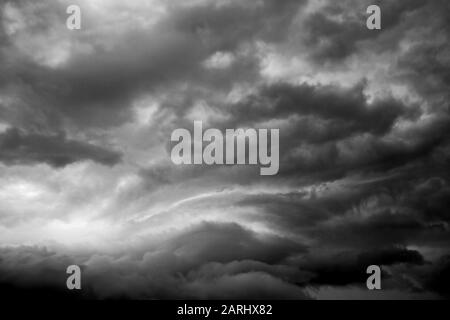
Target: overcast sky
[[86, 176]]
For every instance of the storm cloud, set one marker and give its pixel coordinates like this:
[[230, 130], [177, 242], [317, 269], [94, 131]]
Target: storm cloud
[[55, 150], [86, 176]]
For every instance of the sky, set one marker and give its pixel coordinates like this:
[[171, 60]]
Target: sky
[[86, 176]]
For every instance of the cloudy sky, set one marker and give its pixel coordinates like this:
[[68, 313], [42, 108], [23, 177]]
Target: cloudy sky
[[86, 176]]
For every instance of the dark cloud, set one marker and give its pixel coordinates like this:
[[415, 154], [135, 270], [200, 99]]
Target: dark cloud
[[364, 148], [56, 150], [335, 32], [440, 276], [347, 108], [427, 59], [98, 89], [31, 272], [349, 267], [163, 272], [225, 27], [231, 242], [329, 132], [191, 264]]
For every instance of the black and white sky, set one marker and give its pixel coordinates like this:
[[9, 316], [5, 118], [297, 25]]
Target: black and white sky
[[86, 176]]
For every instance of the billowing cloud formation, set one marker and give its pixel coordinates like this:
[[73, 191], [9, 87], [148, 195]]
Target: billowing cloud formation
[[85, 170]]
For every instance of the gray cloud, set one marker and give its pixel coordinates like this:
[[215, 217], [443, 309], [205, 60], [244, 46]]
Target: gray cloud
[[188, 265], [334, 33], [55, 150], [364, 148]]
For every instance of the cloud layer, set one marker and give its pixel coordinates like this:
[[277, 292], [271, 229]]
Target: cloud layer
[[85, 170]]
